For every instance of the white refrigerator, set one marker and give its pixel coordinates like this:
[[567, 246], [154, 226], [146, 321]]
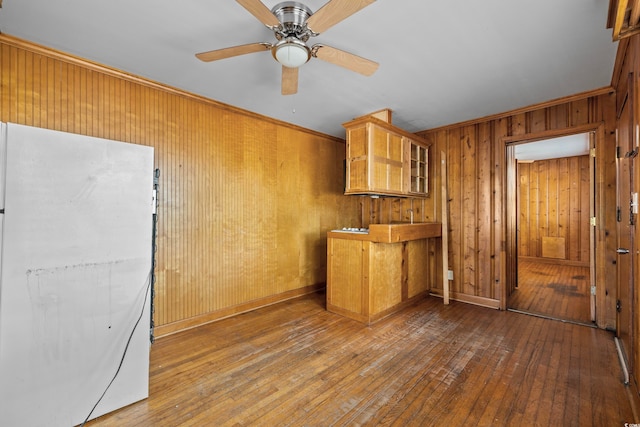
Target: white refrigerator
[[76, 217]]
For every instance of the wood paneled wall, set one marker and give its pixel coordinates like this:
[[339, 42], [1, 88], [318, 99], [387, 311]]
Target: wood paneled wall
[[481, 186], [244, 202], [553, 202], [626, 80]]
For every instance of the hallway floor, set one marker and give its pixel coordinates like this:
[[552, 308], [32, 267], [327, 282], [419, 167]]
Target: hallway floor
[[554, 290]]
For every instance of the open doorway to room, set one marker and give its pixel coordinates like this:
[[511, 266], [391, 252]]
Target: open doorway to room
[[554, 202]]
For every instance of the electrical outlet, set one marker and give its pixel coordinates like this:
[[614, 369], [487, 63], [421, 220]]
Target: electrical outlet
[[450, 275]]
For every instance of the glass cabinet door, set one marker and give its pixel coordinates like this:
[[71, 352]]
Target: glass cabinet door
[[419, 169]]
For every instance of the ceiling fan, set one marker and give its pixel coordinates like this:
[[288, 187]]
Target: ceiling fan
[[293, 24]]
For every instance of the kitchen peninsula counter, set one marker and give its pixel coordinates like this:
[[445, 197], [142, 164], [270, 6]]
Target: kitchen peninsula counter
[[373, 274]]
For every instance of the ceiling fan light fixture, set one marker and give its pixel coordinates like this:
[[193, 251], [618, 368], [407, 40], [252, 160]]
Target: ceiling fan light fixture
[[291, 52]]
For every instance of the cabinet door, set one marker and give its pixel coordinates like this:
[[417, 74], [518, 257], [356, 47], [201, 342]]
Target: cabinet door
[[345, 276], [357, 171], [419, 168], [386, 161]]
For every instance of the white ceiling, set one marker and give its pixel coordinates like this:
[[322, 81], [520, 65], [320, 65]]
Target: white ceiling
[[553, 148], [441, 62]]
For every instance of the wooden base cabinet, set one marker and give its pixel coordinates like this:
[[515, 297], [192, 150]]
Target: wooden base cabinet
[[367, 281]]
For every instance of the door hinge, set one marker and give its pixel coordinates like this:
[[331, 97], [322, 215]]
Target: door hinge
[[592, 152], [618, 306], [618, 214], [592, 221], [593, 290], [617, 152]]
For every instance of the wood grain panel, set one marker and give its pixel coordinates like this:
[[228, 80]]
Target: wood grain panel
[[484, 192], [417, 266], [456, 207], [468, 195], [347, 270], [244, 201], [468, 210], [385, 280], [554, 203]]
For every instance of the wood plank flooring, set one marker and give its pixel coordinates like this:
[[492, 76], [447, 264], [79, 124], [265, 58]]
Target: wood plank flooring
[[554, 290], [295, 364]]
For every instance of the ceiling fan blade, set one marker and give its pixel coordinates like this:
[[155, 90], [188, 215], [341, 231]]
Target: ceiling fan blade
[[289, 80], [260, 11], [228, 52], [345, 59], [333, 12]]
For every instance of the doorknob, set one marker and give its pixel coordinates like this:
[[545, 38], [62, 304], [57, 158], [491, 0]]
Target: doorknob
[[622, 251]]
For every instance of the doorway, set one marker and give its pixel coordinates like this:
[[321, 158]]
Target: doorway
[[553, 206]]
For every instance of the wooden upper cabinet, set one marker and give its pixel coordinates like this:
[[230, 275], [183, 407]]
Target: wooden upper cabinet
[[384, 160], [624, 18]]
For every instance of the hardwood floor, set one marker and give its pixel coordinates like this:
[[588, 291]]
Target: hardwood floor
[[554, 290], [295, 364]]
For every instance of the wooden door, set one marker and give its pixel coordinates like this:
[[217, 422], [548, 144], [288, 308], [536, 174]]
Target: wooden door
[[625, 226]]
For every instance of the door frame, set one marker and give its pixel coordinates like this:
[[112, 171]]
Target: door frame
[[596, 130]]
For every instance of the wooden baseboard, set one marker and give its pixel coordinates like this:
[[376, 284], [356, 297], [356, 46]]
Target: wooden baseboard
[[470, 299], [554, 261], [183, 325]]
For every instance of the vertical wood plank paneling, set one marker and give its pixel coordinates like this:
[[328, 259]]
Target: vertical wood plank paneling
[[483, 249], [534, 212], [432, 210], [28, 83], [468, 207], [605, 173], [558, 116], [561, 205], [538, 119], [563, 223], [574, 241], [584, 252], [580, 112], [553, 186], [454, 169], [442, 145], [518, 124], [524, 194], [545, 218], [36, 89], [244, 201], [543, 205], [13, 84], [499, 279]]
